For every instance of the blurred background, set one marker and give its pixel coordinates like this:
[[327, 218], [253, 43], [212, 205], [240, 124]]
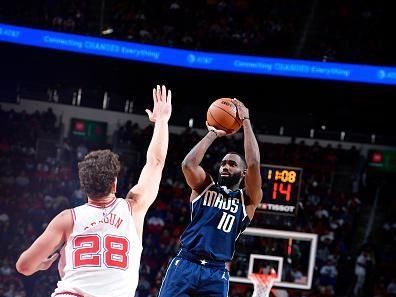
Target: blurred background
[[55, 106]]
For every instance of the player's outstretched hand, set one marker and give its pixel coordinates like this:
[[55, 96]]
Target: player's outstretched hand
[[219, 133], [162, 105], [243, 111]]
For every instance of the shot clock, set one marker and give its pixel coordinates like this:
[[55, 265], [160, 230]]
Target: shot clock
[[281, 189]]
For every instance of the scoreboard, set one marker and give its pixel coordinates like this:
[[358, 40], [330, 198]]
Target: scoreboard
[[87, 130], [281, 189]]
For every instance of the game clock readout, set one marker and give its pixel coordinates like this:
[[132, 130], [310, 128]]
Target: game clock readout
[[281, 184]]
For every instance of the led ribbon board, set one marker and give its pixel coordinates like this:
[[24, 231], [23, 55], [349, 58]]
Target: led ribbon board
[[197, 59]]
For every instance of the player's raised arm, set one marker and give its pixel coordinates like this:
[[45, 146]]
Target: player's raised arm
[[143, 194], [195, 175], [252, 156], [40, 255]]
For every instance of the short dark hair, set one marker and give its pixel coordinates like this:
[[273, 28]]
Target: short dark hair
[[97, 172], [240, 156]]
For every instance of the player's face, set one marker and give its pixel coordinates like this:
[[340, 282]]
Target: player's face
[[231, 170]]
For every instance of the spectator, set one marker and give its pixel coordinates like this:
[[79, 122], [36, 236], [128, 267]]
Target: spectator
[[362, 263], [391, 288], [327, 279]]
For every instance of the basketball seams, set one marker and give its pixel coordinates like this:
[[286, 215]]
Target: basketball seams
[[229, 114], [236, 123], [234, 117], [214, 119], [223, 113]]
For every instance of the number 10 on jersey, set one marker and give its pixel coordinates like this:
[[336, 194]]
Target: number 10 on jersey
[[226, 222]]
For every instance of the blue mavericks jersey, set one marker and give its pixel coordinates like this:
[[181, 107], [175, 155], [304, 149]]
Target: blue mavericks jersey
[[218, 217]]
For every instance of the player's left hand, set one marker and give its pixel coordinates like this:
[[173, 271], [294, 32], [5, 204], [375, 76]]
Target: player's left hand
[[219, 133], [243, 111], [45, 264], [162, 105]]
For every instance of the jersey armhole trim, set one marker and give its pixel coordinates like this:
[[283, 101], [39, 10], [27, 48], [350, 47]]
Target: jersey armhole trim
[[199, 197], [243, 204], [68, 294], [73, 214], [203, 192], [129, 206]]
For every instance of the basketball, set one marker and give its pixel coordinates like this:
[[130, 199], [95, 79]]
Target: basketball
[[222, 114]]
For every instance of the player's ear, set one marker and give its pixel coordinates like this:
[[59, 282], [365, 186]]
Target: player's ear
[[114, 186], [244, 172]]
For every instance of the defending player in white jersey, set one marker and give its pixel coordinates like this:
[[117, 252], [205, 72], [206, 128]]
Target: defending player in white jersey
[[102, 240]]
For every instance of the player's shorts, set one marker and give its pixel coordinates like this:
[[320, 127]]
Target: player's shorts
[[188, 275]]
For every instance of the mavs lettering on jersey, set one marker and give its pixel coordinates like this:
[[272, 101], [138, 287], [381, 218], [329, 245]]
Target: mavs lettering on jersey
[[218, 216]]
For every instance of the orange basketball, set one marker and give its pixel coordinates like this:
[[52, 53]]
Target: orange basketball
[[222, 115]]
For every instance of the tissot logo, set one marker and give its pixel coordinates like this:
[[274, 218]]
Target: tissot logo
[[277, 207]]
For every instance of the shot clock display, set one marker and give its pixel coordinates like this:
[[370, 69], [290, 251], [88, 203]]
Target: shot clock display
[[281, 189]]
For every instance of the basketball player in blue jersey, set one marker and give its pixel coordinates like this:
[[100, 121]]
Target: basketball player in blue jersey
[[220, 211]]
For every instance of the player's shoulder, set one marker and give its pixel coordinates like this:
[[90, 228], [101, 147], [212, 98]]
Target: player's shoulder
[[246, 198], [206, 184], [65, 213], [63, 220], [73, 212], [124, 202]]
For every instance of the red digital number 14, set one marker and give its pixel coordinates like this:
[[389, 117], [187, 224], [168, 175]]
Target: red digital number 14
[[280, 187]]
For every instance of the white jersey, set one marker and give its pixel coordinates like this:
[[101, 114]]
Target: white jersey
[[101, 257]]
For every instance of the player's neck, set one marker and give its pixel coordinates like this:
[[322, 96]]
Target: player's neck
[[102, 201], [232, 188]]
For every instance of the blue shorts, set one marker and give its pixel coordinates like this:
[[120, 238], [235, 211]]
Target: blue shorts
[[189, 278]]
